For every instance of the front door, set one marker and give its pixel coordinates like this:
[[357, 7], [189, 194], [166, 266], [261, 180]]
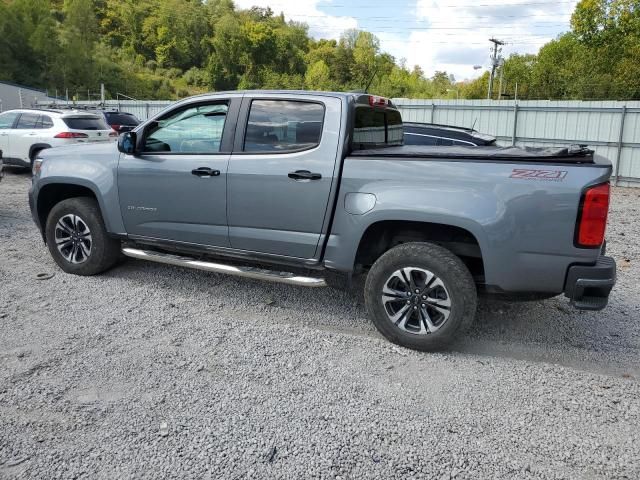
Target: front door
[[281, 174], [7, 119], [175, 189]]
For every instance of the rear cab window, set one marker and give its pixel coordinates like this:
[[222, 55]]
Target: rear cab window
[[86, 122], [376, 123], [281, 126]]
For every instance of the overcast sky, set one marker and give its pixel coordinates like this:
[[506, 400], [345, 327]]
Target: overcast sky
[[451, 35]]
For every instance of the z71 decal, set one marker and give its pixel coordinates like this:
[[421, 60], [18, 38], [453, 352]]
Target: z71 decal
[[540, 175]]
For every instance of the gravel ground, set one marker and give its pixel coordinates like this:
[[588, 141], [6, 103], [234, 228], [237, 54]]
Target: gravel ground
[[151, 371]]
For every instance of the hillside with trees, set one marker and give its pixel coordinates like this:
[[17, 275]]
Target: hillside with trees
[[173, 48]]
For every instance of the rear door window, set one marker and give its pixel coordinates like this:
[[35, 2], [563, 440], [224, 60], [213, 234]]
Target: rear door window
[[27, 121], [85, 123], [283, 126], [44, 121]]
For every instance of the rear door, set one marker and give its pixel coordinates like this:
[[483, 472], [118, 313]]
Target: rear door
[[281, 173], [175, 189]]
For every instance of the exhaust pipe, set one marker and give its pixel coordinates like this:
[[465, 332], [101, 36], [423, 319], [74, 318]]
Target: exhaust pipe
[[249, 272]]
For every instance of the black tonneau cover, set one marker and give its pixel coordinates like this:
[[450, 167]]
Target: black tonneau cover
[[573, 154]]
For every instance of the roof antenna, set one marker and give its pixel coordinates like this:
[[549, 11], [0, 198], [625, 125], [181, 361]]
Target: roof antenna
[[366, 89], [474, 123]]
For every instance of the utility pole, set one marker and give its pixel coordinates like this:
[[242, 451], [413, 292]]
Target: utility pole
[[501, 77], [495, 59]]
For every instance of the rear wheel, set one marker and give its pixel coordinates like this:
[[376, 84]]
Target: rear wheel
[[420, 295], [77, 238]]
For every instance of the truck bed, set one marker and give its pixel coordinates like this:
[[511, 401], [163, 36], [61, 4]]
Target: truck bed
[[572, 155]]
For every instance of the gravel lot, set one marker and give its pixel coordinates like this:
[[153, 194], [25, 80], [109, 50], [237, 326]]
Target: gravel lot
[[151, 371]]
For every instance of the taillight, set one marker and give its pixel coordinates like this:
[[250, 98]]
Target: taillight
[[376, 101], [592, 218], [37, 166], [71, 135], [115, 127]]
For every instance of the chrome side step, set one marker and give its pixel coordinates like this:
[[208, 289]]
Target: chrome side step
[[250, 272]]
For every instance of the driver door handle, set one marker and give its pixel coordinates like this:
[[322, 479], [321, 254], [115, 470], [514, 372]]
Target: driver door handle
[[304, 175], [205, 172]]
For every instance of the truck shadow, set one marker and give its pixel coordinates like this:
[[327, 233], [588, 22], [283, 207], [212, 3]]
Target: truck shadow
[[545, 331], [552, 331]]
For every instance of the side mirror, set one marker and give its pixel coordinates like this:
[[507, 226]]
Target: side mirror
[[127, 143]]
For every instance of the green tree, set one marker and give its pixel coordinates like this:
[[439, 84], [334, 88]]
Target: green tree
[[318, 77]]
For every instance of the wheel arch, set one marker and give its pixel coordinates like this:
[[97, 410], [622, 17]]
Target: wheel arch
[[35, 148], [53, 193], [382, 235]]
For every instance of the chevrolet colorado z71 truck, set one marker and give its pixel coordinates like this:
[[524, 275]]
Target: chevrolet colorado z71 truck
[[312, 188]]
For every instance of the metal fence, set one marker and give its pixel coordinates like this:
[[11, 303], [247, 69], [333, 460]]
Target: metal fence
[[611, 128], [142, 109]]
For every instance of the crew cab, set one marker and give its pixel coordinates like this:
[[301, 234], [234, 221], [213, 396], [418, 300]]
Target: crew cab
[[315, 188]]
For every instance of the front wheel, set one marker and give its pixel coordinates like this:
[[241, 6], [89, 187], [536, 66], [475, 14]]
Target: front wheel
[[420, 296], [77, 238]]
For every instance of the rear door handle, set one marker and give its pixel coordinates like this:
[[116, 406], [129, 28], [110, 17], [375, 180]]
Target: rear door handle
[[205, 172], [304, 175]]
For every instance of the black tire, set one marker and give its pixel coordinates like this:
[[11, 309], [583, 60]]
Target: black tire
[[459, 287], [104, 251]]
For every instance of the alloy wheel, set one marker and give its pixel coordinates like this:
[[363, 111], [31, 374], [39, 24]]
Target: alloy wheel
[[73, 238], [416, 300]]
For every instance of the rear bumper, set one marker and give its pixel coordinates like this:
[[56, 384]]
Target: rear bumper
[[588, 286]]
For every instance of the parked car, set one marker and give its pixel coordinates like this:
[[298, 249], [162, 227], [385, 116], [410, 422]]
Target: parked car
[[319, 186], [26, 132], [119, 121], [444, 135]]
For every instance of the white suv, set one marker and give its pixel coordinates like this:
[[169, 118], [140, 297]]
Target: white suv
[[24, 132]]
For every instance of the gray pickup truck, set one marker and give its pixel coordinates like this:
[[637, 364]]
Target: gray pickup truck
[[314, 188]]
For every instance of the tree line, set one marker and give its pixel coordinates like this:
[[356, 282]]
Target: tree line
[[174, 48]]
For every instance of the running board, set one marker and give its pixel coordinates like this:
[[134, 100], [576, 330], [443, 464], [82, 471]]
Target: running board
[[249, 272]]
